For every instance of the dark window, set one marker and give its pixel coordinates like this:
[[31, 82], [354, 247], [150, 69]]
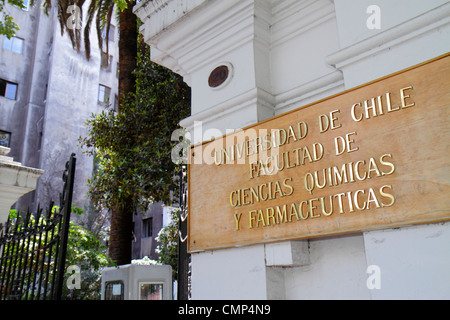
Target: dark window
[[5, 139], [8, 89], [147, 225]]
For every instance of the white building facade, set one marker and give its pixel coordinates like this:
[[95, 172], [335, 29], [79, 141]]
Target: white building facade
[[282, 55]]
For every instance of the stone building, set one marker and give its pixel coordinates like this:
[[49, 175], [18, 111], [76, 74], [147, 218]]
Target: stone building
[[48, 91]]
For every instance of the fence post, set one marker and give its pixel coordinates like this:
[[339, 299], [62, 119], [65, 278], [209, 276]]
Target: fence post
[[66, 207], [183, 255]]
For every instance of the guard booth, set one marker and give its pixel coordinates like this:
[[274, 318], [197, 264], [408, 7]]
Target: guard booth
[[137, 282]]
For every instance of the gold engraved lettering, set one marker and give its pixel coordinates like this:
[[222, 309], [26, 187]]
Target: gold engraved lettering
[[372, 107], [312, 207], [260, 219], [404, 96], [353, 112], [281, 214], [368, 107], [300, 211], [237, 218], [387, 195], [322, 203], [329, 121], [339, 197], [390, 108], [333, 125], [386, 163], [355, 199], [357, 170], [302, 129], [344, 144], [251, 218], [270, 216], [372, 198]]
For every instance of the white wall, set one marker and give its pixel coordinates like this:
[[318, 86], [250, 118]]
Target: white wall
[[229, 274], [337, 271], [414, 261], [287, 54]]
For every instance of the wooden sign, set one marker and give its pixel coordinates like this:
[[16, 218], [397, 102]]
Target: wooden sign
[[373, 157]]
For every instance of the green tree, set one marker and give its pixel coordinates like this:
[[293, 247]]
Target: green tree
[[133, 147], [89, 254], [7, 25], [168, 239]]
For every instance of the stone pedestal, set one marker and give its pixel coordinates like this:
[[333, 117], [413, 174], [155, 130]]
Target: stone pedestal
[[15, 181]]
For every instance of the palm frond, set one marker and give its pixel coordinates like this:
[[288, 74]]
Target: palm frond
[[87, 28], [108, 27], [99, 11]]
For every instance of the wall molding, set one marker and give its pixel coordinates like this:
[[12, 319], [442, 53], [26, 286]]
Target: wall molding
[[410, 29]]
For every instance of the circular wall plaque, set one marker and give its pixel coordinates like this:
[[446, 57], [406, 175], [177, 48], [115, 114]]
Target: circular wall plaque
[[218, 76]]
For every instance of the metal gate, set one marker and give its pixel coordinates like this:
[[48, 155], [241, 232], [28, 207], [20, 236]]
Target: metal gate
[[33, 248]]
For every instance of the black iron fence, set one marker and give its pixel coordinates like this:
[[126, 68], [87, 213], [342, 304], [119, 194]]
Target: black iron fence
[[33, 248]]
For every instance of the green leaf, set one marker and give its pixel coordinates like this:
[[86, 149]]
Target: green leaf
[[133, 149]]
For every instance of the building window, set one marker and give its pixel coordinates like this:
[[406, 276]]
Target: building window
[[8, 89], [111, 33], [147, 225], [116, 103], [26, 4], [103, 93], [14, 44], [106, 61], [5, 139]]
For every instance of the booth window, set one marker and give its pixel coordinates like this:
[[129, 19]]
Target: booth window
[[151, 291], [114, 290]]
